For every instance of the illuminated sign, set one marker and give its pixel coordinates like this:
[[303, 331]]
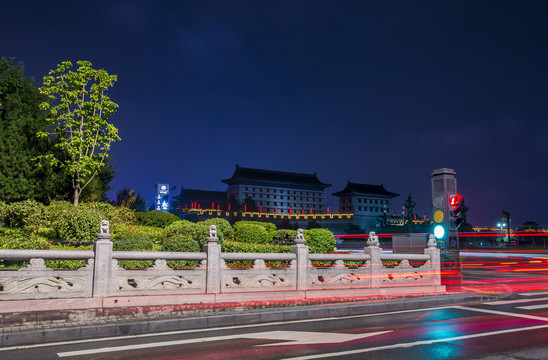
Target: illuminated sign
[[162, 197]]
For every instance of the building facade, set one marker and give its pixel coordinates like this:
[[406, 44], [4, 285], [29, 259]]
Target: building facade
[[366, 202], [278, 192]]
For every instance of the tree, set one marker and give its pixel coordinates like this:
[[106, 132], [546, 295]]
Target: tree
[[234, 203], [130, 199], [20, 120], [250, 205], [78, 109]]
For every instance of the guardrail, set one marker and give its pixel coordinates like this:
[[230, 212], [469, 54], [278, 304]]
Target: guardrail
[[103, 277]]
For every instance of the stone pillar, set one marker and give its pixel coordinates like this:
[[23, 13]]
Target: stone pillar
[[435, 260], [213, 250], [374, 251], [103, 262], [301, 250]]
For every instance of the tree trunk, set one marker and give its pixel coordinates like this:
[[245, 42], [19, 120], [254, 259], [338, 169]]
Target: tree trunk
[[77, 192]]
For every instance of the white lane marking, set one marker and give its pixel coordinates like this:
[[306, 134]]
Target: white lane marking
[[533, 307], [416, 343], [289, 338], [534, 293], [503, 313], [308, 337], [519, 301], [178, 332]]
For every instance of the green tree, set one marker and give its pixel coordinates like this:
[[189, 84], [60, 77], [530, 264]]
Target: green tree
[[20, 120], [79, 110], [130, 199], [250, 205]]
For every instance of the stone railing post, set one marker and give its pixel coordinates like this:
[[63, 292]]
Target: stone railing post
[[213, 250], [375, 264], [301, 251], [102, 262], [435, 259]]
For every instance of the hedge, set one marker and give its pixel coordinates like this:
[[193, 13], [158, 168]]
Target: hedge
[[157, 235], [253, 232], [156, 218], [319, 240], [28, 215], [238, 247], [77, 224], [285, 237], [196, 231], [181, 243], [222, 225]]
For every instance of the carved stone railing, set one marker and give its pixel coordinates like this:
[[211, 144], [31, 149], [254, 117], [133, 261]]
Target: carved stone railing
[[103, 277]]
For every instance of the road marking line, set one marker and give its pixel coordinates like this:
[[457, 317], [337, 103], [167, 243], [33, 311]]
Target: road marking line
[[416, 343], [533, 307], [519, 301], [178, 332], [534, 293], [504, 313], [289, 338]]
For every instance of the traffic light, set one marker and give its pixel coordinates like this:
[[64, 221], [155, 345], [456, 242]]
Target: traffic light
[[440, 230], [457, 210]]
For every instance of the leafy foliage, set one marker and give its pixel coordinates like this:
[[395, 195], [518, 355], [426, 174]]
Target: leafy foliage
[[79, 108], [181, 243], [20, 120], [156, 218], [235, 246], [19, 239], [157, 235], [223, 226], [134, 241], [78, 225], [67, 264], [320, 240], [285, 237], [27, 215], [253, 232], [239, 247], [196, 231], [250, 205], [130, 199]]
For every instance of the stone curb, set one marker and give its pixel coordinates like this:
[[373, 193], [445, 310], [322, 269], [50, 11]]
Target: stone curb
[[55, 332]]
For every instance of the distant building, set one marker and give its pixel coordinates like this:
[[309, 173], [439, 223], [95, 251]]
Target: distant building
[[366, 201], [277, 191]]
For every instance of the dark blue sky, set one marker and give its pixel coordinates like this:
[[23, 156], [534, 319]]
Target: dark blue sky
[[367, 91]]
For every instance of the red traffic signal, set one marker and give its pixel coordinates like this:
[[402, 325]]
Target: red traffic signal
[[455, 201]]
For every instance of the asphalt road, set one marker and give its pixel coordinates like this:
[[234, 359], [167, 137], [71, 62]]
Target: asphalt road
[[515, 328], [488, 272]]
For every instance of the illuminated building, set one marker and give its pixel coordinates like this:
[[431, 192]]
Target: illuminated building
[[277, 191], [367, 202]]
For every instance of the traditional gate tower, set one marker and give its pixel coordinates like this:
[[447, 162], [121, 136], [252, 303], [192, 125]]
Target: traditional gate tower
[[444, 187]]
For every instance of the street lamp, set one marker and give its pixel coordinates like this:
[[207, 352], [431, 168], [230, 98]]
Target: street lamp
[[501, 225]]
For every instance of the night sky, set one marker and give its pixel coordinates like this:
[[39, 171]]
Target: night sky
[[367, 91]]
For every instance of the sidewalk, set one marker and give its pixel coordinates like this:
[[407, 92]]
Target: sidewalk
[[136, 320]]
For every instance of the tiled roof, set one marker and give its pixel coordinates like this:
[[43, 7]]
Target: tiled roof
[[242, 174], [365, 189]]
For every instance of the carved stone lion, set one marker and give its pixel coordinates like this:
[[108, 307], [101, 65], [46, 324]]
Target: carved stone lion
[[212, 231], [104, 227]]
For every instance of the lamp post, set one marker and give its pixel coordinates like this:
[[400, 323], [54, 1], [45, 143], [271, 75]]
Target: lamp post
[[501, 225]]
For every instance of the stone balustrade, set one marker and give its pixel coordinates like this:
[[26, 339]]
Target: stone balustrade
[[356, 273]]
